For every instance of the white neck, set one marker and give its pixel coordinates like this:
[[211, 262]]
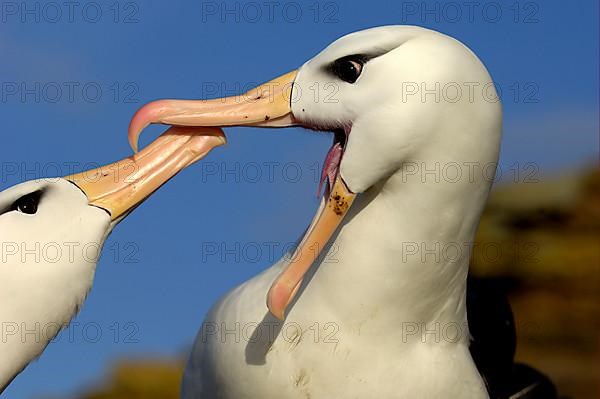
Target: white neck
[[401, 257], [28, 327]]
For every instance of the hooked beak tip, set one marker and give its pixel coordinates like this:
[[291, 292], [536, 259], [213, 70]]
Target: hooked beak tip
[[149, 113], [268, 105], [134, 130]]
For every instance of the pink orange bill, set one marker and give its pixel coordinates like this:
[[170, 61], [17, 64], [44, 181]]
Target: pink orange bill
[[121, 186], [267, 105], [326, 222]]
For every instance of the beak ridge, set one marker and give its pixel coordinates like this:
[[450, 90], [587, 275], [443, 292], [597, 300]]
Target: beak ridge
[[121, 186], [268, 105]]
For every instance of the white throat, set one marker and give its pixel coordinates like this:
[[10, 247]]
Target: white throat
[[47, 270], [402, 255]]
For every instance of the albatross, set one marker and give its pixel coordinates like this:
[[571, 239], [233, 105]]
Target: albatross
[[52, 230], [366, 305]]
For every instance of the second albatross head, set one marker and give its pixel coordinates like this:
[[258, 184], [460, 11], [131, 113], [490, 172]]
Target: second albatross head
[[52, 231]]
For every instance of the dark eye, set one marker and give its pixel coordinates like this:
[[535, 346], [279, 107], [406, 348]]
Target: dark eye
[[348, 68], [27, 204]]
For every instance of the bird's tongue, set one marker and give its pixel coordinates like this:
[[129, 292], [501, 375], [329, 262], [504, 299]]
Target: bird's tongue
[[330, 167]]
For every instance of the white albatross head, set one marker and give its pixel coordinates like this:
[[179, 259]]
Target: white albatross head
[[393, 95], [52, 231]]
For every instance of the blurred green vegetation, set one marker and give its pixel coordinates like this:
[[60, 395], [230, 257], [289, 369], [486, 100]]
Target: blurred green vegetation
[[541, 239]]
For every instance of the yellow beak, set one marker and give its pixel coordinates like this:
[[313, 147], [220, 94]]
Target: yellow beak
[[269, 105], [121, 186]]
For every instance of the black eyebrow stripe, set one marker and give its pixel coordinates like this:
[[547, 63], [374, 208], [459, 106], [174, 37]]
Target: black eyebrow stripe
[[362, 57], [12, 207]]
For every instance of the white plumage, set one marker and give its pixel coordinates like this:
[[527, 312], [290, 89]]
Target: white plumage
[[52, 232], [40, 288], [364, 292]]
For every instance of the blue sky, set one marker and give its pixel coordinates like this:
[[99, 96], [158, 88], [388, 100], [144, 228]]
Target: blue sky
[[72, 78]]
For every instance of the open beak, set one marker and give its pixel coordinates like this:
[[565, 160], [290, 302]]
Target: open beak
[[268, 105], [119, 187], [325, 223]]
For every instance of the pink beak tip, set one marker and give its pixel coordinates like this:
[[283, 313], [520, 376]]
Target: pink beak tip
[[133, 135], [147, 114]]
